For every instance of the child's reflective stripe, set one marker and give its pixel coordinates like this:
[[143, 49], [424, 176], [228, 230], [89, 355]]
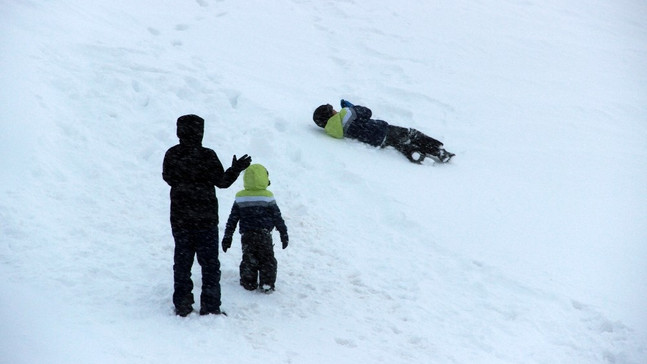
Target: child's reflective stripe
[[348, 118], [244, 201]]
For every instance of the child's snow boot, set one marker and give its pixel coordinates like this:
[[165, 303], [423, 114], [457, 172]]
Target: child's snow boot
[[266, 288], [444, 156], [204, 311], [250, 286]]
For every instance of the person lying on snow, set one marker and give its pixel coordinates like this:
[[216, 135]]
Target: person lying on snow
[[258, 213], [354, 121]]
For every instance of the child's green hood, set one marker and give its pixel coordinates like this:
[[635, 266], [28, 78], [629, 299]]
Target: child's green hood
[[256, 178]]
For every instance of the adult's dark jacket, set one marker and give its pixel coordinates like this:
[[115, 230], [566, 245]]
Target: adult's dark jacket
[[193, 172]]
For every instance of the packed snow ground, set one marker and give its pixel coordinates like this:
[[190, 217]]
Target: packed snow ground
[[529, 247]]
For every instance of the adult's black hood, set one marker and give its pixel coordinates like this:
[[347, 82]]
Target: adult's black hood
[[190, 130]]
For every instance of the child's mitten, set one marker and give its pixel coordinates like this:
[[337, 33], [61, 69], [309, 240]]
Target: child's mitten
[[226, 243], [345, 103]]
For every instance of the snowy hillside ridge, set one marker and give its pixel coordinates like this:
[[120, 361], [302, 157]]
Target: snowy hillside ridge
[[528, 247]]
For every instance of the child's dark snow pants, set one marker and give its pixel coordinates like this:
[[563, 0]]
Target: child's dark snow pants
[[408, 141], [258, 267]]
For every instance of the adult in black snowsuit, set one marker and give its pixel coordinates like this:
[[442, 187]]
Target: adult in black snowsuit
[[193, 172]]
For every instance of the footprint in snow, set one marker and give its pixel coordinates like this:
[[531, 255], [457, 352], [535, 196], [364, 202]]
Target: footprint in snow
[[346, 342]]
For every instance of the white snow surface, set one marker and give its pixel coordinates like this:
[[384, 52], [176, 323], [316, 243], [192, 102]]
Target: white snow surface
[[529, 247]]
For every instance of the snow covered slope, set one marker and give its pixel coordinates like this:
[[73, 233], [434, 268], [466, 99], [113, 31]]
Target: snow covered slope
[[529, 247]]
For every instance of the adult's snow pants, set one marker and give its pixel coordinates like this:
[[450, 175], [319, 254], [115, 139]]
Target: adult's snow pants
[[204, 245]]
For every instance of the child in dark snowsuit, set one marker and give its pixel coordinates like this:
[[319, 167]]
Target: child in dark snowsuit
[[258, 214], [354, 121]]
